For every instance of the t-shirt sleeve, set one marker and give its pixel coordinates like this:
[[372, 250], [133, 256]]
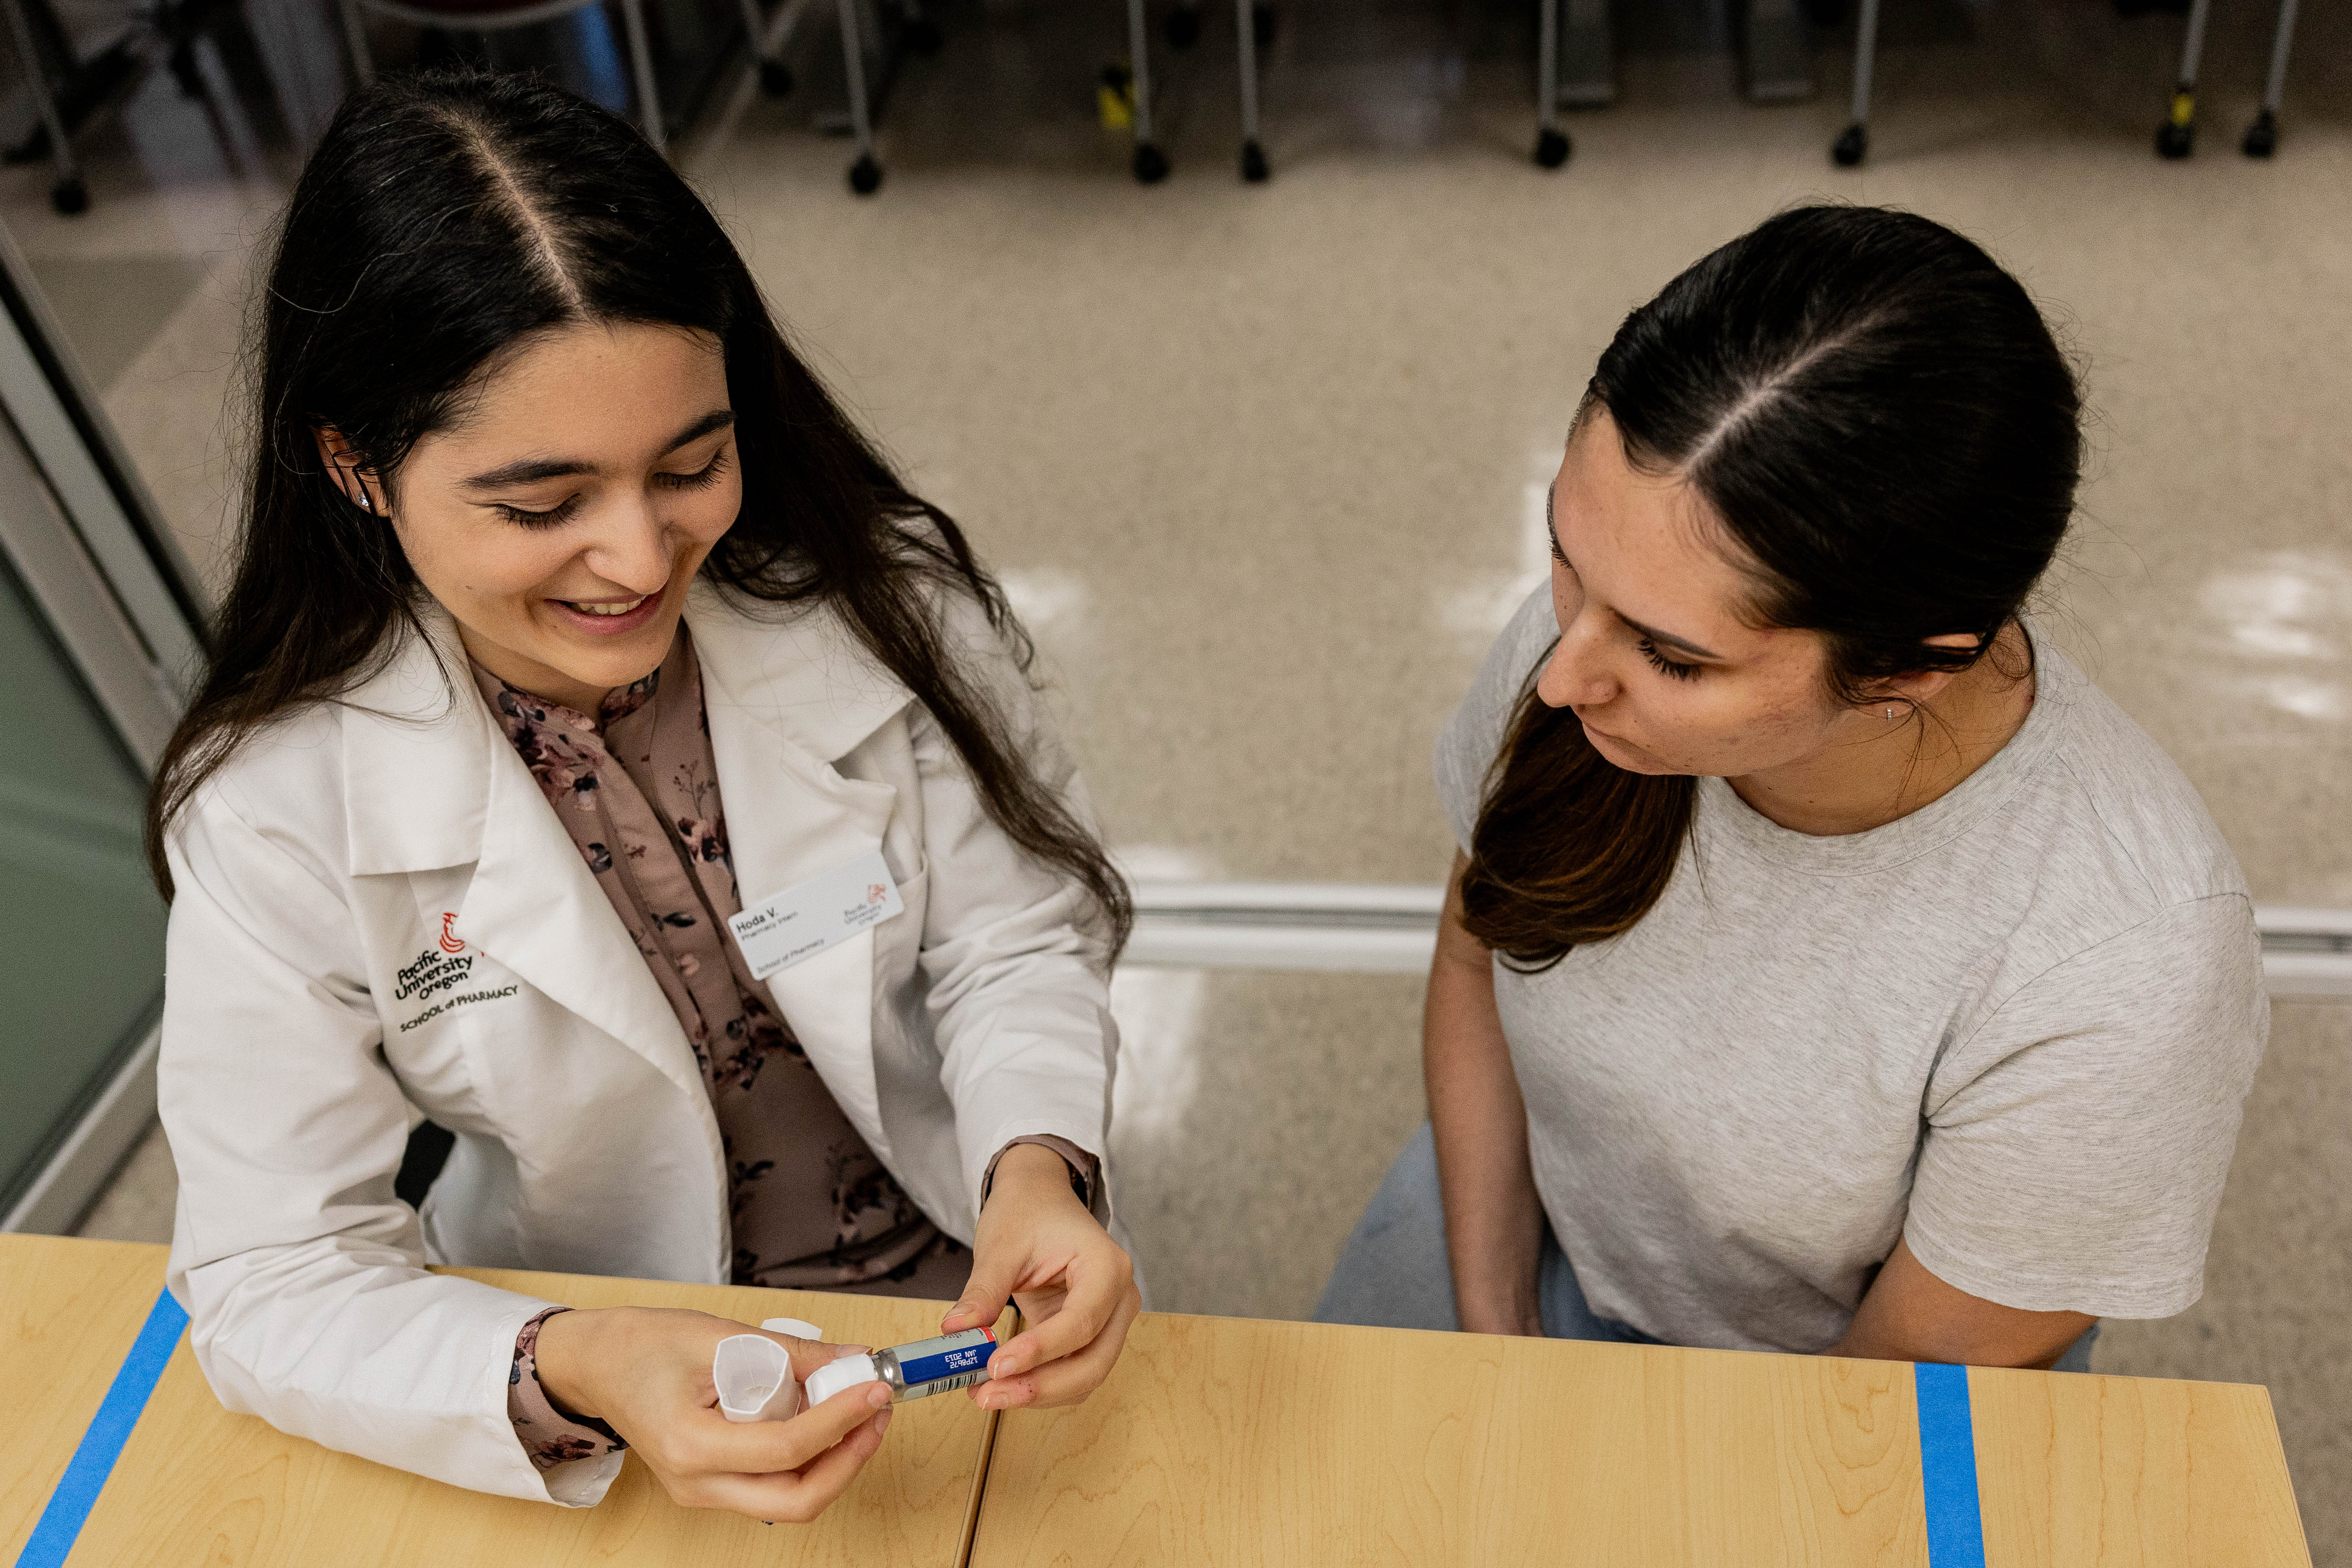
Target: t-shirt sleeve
[[1471, 737], [2077, 1142]]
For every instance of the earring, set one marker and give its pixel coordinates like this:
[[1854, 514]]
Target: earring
[[1890, 715]]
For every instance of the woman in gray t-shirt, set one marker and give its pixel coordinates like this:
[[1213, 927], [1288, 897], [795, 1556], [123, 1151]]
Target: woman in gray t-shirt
[[1829, 965]]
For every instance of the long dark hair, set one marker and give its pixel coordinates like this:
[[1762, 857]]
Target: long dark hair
[[1878, 416], [445, 217]]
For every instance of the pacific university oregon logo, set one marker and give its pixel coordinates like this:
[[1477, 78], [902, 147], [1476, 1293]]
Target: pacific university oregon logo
[[439, 969]]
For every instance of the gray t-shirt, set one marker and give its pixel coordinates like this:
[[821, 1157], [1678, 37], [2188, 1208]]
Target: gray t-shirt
[[2015, 1027]]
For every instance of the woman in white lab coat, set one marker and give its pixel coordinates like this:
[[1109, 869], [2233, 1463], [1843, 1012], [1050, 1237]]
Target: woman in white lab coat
[[605, 757]]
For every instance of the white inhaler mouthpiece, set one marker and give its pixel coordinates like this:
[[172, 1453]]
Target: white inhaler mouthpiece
[[754, 1374]]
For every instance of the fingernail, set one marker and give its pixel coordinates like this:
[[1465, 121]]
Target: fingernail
[[879, 1396], [840, 1351], [882, 1423]]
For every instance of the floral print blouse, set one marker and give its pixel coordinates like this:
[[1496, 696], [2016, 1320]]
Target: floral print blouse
[[812, 1207]]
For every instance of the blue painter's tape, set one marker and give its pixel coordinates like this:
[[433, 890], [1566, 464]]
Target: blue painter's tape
[[60, 1524], [1948, 1464]]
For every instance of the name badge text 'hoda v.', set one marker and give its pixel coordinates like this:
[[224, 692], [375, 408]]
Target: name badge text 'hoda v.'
[[803, 920]]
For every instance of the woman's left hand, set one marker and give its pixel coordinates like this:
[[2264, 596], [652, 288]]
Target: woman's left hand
[[1076, 1286]]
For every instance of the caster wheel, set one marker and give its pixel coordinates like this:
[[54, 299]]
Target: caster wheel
[[775, 79], [1183, 28], [1254, 167], [2174, 140], [865, 176], [69, 196], [1551, 149], [1151, 165], [922, 36], [1849, 148], [2261, 136], [1262, 24]]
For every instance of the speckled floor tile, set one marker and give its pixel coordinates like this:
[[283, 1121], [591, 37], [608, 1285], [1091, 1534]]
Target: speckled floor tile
[[2277, 1308]]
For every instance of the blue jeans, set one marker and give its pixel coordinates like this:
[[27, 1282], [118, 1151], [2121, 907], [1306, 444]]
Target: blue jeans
[[1395, 1273]]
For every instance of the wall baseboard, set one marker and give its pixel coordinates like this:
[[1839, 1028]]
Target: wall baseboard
[[1367, 930]]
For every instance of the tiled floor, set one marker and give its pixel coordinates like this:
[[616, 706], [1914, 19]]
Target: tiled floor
[[2278, 1281], [1262, 464]]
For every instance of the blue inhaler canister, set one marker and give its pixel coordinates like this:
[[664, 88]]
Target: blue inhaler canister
[[912, 1370]]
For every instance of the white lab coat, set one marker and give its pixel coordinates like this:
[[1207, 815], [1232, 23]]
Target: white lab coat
[[341, 846]]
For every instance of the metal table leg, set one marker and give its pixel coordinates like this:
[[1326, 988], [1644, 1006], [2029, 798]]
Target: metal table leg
[[354, 38], [1588, 65], [2261, 136], [775, 77], [2177, 137], [68, 195], [1254, 167], [865, 174], [1853, 142], [641, 60], [1552, 142], [1150, 162], [1779, 56]]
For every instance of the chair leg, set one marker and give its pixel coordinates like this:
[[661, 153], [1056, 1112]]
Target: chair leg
[[2261, 136], [641, 60], [2177, 137], [1552, 142], [1253, 168], [68, 195], [1150, 164], [1853, 144]]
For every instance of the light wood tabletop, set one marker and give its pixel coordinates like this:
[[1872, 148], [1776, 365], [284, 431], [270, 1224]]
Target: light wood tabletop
[[197, 1484], [1219, 1443]]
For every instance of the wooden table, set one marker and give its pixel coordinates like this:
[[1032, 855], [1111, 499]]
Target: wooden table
[[1219, 1443], [197, 1484]]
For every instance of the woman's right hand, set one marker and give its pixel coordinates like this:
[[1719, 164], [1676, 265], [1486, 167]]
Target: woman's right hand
[[645, 1373]]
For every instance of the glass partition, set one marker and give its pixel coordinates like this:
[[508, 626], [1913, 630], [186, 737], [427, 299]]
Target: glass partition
[[80, 923]]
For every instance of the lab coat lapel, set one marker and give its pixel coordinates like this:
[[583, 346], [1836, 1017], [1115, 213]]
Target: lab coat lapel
[[535, 906], [430, 785], [791, 816]]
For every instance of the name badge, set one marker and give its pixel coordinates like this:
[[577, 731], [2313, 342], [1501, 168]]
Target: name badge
[[803, 922]]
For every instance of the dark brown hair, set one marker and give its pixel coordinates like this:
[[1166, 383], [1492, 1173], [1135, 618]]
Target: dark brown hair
[[1880, 420], [443, 218]]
